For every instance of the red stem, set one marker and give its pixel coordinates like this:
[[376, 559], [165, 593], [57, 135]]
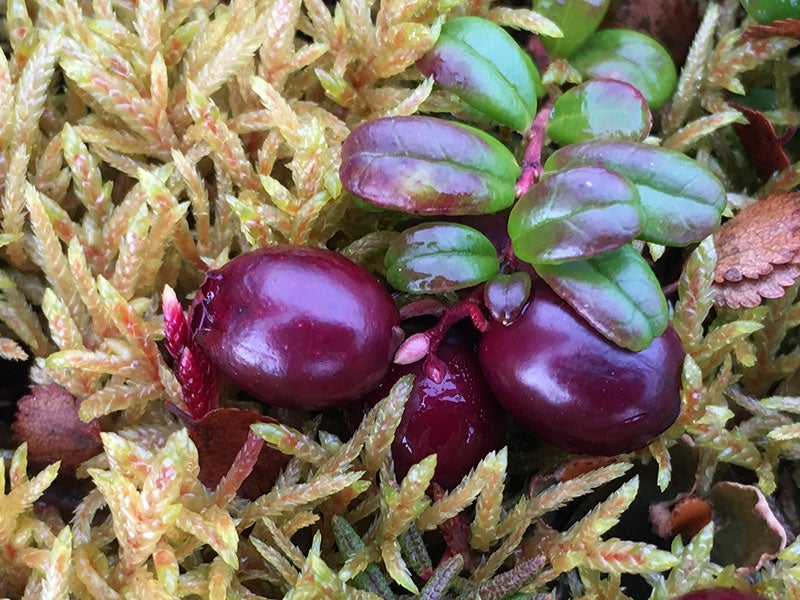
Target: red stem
[[532, 161], [538, 53], [468, 307]]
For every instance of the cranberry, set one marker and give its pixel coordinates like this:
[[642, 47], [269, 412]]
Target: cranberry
[[458, 419], [295, 326], [720, 594], [575, 389]]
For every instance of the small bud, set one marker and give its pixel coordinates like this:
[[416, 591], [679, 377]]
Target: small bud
[[413, 349]]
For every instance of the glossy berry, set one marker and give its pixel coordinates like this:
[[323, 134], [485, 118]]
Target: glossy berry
[[720, 594], [295, 326], [572, 387], [458, 419]]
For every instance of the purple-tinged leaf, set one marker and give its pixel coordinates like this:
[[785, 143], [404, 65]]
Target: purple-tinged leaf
[[219, 436], [430, 166], [616, 292], [575, 214], [506, 295], [681, 199], [483, 65], [631, 57], [600, 109], [440, 257]]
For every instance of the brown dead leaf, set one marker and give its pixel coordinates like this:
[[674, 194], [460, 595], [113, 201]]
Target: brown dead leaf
[[219, 435], [763, 147], [671, 22], [685, 517], [47, 419], [749, 293], [785, 28], [747, 533], [758, 252], [584, 464]]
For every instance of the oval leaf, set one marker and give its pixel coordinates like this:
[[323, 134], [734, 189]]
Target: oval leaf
[[430, 166], [577, 19], [616, 293], [600, 109], [575, 214], [506, 295], [439, 257], [768, 11], [483, 65], [682, 200], [631, 57]]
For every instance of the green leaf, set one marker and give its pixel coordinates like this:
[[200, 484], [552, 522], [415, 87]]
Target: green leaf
[[767, 11], [577, 19], [600, 109], [575, 214], [682, 200], [425, 165], [616, 292], [483, 65], [439, 257], [631, 57], [396, 566]]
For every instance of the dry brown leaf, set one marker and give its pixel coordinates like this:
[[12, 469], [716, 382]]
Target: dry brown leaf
[[219, 435], [785, 28], [758, 252], [748, 293], [582, 465], [685, 517], [47, 419], [763, 147], [747, 533]]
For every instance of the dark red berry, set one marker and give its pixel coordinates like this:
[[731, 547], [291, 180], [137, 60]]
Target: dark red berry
[[458, 419], [575, 389], [295, 326], [720, 594]]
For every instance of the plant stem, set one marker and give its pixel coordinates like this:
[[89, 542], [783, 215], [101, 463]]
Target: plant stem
[[532, 161]]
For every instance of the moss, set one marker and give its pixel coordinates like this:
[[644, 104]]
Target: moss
[[143, 143]]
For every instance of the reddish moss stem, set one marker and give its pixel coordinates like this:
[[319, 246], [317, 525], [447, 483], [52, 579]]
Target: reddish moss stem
[[198, 377]]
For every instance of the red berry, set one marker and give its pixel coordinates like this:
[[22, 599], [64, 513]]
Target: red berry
[[720, 594], [572, 387], [295, 326], [458, 419]]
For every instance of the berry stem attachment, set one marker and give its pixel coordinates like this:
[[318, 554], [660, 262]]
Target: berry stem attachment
[[425, 344]]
